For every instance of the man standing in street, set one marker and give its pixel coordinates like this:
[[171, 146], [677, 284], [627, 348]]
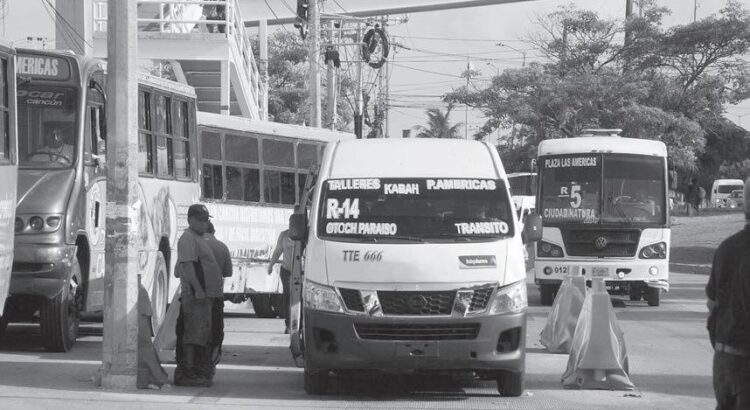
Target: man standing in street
[[285, 246], [200, 281], [224, 260], [728, 292]]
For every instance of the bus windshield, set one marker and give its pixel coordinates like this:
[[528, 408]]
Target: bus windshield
[[46, 126], [607, 189], [422, 209]]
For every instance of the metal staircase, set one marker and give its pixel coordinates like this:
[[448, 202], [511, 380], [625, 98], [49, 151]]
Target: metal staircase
[[214, 56]]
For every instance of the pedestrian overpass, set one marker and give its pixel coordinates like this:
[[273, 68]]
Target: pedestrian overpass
[[213, 55]]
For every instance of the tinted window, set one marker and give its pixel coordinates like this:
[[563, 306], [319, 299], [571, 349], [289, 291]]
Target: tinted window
[[145, 157], [144, 110], [243, 184], [164, 156], [278, 153], [182, 159], [307, 155], [211, 145], [213, 186], [241, 149]]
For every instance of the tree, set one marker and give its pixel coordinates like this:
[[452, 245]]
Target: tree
[[665, 84], [438, 125]]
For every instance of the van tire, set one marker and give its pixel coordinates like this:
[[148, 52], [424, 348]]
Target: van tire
[[59, 317], [262, 305], [547, 293], [636, 293], [316, 382], [159, 293], [510, 383], [652, 296]]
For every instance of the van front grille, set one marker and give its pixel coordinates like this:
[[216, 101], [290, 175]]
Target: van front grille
[[417, 303], [376, 331]]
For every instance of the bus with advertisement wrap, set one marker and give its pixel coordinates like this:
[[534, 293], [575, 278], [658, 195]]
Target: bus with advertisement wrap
[[253, 173], [58, 267], [8, 169], [605, 211]]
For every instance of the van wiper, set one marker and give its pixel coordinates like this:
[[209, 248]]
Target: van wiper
[[463, 238], [404, 238], [621, 211]]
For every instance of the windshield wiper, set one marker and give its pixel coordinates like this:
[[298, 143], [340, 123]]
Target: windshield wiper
[[621, 211], [463, 238]]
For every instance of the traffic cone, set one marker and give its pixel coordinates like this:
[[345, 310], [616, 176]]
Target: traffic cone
[[598, 358], [558, 332]]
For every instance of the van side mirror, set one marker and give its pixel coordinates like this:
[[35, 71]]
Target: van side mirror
[[297, 226], [532, 229]]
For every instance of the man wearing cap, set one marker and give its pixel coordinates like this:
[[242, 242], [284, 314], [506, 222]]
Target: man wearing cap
[[728, 292], [200, 282]]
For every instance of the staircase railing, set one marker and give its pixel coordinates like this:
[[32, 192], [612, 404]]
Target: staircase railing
[[208, 17]]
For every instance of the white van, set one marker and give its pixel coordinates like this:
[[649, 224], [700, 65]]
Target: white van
[[413, 261], [721, 191]]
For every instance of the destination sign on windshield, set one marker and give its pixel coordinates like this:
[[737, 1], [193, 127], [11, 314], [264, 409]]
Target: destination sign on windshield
[[42, 67], [415, 208]]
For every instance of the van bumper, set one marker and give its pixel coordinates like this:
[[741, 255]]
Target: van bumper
[[41, 270], [333, 342]]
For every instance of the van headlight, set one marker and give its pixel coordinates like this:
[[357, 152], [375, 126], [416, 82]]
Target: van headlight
[[323, 298], [509, 299]]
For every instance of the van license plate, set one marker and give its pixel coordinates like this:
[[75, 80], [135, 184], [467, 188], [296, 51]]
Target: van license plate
[[418, 349], [600, 272]]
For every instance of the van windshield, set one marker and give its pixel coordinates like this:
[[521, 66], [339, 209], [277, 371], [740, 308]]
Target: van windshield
[[414, 209], [46, 126], [727, 189]]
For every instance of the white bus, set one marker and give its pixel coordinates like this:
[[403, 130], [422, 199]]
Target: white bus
[[58, 266], [8, 169], [253, 173], [604, 207]]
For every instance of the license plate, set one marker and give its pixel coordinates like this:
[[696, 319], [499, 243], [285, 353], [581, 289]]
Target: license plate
[[561, 270], [418, 349], [600, 272]]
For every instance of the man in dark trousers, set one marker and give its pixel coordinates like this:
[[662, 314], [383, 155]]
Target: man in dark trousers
[[728, 292], [285, 246], [224, 260], [200, 282]]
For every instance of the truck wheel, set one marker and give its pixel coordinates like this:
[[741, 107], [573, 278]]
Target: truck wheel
[[159, 293], [652, 296], [548, 294], [510, 383], [262, 305], [636, 292], [59, 317]]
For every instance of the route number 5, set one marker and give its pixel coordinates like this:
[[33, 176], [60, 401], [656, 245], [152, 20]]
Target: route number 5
[[575, 196]]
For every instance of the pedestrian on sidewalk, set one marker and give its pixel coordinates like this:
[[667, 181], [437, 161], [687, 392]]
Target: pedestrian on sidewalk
[[198, 273], [728, 292], [692, 198], [224, 260], [285, 246]]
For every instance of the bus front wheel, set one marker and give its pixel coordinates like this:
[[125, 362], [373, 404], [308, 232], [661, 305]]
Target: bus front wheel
[[59, 317], [652, 296]]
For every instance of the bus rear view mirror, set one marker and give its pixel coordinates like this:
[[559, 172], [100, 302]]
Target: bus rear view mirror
[[297, 226], [532, 229]]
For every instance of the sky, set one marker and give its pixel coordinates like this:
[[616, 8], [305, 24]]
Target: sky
[[420, 75]]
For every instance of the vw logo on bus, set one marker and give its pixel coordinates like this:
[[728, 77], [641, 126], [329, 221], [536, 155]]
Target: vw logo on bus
[[600, 242]]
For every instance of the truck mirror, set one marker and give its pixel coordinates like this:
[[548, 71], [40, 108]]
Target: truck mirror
[[297, 226], [532, 229]]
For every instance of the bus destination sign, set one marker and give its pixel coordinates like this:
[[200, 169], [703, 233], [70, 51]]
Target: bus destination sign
[[43, 67]]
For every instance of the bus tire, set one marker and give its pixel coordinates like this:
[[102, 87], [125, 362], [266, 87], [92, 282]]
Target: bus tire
[[59, 317], [510, 383], [636, 292], [262, 305], [652, 296], [159, 293], [547, 293], [316, 382]]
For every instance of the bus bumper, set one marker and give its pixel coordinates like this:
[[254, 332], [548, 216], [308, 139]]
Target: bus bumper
[[41, 270], [335, 341], [653, 272]]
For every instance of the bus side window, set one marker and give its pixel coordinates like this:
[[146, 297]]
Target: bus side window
[[145, 135], [212, 184], [7, 139], [181, 140], [279, 185]]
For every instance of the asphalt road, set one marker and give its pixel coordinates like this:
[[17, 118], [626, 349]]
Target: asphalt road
[[670, 364]]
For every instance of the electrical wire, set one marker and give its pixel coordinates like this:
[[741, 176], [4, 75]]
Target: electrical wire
[[274, 15], [427, 71], [67, 24], [68, 36]]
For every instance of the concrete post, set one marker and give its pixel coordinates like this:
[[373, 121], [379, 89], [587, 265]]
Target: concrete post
[[263, 40], [314, 57], [120, 355], [75, 32], [224, 94], [331, 85]]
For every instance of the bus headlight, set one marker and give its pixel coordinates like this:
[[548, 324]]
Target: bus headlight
[[323, 298], [509, 299], [36, 223], [548, 250], [655, 251]]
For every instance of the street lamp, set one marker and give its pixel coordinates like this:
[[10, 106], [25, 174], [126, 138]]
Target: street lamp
[[523, 53]]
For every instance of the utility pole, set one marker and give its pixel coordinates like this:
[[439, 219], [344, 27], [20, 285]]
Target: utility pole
[[314, 57], [263, 40], [331, 81], [120, 347], [358, 96], [695, 10], [466, 112], [387, 104]]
